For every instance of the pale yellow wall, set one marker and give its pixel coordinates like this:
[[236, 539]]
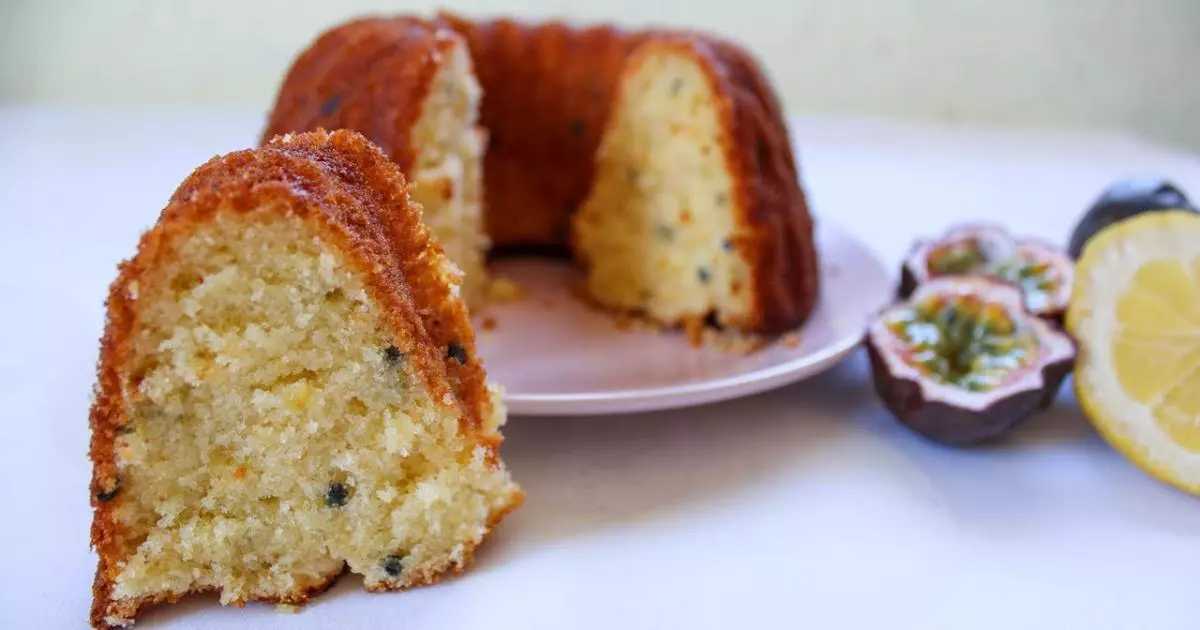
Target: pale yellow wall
[[1094, 63]]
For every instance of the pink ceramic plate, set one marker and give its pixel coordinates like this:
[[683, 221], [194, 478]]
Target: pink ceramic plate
[[556, 356]]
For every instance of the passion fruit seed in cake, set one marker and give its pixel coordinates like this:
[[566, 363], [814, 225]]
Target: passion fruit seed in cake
[[721, 227], [1135, 314], [288, 388], [961, 361], [1043, 272]]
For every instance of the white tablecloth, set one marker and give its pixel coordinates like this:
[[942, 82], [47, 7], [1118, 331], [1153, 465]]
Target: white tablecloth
[[806, 507]]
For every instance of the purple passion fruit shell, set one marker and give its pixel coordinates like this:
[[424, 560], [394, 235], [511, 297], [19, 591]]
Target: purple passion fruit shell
[[1043, 272], [962, 361], [1123, 200]]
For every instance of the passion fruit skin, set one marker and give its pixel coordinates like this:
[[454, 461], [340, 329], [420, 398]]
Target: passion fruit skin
[[906, 395], [950, 425], [1122, 200]]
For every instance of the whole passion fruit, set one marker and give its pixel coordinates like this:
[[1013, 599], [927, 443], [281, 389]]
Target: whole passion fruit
[[1122, 200], [961, 361], [1043, 272]]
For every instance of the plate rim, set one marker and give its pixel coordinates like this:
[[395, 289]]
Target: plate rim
[[709, 391]]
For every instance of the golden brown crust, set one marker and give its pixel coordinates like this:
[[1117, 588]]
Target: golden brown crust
[[548, 91], [774, 219], [358, 201], [369, 75], [785, 259]]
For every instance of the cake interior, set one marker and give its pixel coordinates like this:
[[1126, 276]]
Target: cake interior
[[447, 175], [275, 432], [656, 233]]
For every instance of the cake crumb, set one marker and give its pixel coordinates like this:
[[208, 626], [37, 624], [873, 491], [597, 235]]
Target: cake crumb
[[489, 323], [502, 289], [693, 329], [791, 340], [732, 341], [624, 322], [289, 609]]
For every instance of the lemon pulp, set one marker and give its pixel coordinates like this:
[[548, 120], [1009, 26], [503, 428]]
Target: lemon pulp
[[1157, 348]]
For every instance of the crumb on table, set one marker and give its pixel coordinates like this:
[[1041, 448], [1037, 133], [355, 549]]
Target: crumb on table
[[502, 289]]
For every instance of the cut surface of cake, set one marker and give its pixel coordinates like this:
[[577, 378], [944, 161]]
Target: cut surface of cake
[[669, 228], [288, 389], [713, 229]]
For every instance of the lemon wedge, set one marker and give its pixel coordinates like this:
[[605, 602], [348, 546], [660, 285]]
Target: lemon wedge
[[1135, 315]]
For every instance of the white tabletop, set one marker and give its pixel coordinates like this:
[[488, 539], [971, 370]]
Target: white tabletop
[[806, 507]]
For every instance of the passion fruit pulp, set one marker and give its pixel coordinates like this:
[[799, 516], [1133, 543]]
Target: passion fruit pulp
[[1042, 271], [1123, 200], [961, 361]]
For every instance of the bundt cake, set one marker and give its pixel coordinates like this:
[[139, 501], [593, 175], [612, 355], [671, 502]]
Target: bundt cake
[[287, 389], [658, 160]]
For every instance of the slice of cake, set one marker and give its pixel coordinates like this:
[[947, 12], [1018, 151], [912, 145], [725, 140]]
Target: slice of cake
[[288, 389], [695, 211]]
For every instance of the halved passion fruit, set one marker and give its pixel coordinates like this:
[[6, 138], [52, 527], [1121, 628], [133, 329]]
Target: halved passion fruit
[[962, 361], [1043, 272]]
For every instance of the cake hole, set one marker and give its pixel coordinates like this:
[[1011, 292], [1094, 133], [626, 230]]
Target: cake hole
[[392, 355], [185, 282], [676, 86], [356, 407]]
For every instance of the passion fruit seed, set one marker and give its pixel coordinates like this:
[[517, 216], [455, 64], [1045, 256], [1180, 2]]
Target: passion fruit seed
[[1042, 272], [1036, 279], [457, 352], [109, 494], [393, 565], [964, 342], [330, 105], [336, 495], [956, 257]]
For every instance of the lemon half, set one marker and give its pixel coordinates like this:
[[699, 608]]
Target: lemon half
[[1135, 315]]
